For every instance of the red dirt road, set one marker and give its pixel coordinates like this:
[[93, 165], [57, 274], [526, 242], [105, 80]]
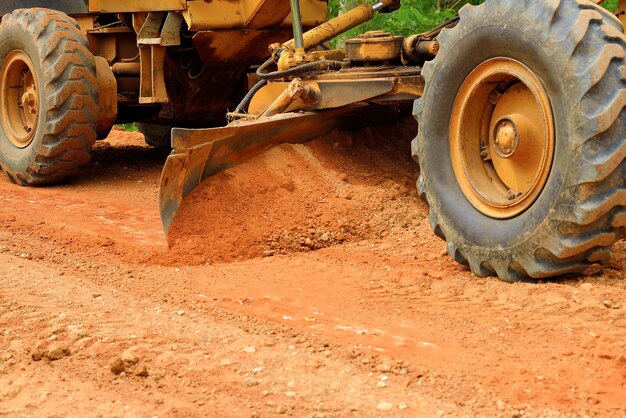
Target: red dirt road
[[305, 282]]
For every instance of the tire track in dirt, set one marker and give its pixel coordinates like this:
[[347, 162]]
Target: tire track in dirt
[[198, 358], [113, 220]]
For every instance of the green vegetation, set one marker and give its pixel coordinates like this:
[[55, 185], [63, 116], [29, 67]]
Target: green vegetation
[[129, 127], [415, 16], [610, 5]]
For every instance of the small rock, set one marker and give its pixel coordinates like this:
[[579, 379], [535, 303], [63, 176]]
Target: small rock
[[129, 356], [250, 350], [250, 381], [128, 363], [383, 367], [117, 366], [325, 237], [343, 177], [384, 406], [141, 371], [290, 394], [57, 353], [586, 287], [180, 312], [607, 303], [381, 385], [501, 405], [269, 253], [403, 406], [38, 354], [281, 409]]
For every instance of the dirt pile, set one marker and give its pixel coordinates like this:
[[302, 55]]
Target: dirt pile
[[344, 186]]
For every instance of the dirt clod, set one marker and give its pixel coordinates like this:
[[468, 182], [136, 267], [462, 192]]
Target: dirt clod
[[57, 353]]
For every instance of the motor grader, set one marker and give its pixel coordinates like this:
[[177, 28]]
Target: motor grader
[[520, 106]]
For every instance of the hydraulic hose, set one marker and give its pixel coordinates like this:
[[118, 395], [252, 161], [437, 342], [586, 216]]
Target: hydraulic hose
[[316, 66], [324, 65], [243, 105]]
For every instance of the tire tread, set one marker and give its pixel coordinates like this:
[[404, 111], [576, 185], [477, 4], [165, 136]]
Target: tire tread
[[592, 43], [70, 88]]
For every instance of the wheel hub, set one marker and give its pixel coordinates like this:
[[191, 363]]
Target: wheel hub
[[506, 138], [18, 99], [502, 137]]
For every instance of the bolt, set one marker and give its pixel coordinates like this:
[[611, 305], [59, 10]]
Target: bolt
[[495, 96], [484, 151], [511, 195], [506, 138]]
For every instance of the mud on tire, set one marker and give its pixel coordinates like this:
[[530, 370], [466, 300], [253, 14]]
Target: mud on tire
[[65, 93], [576, 49]]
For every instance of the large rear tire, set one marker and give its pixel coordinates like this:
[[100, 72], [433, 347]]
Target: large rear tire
[[48, 97], [521, 137]]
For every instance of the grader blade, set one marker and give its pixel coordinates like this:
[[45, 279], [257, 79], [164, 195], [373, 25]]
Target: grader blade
[[200, 153]]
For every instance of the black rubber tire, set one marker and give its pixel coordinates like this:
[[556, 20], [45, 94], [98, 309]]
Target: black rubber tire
[[68, 96], [577, 50], [158, 136]]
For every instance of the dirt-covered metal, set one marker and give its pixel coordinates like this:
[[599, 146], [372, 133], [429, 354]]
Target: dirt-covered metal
[[200, 153]]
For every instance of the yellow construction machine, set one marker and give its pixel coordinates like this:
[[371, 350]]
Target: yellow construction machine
[[520, 106]]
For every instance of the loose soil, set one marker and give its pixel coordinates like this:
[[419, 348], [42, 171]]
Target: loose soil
[[304, 282]]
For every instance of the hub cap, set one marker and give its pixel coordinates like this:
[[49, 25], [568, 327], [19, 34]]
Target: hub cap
[[502, 138], [19, 100]]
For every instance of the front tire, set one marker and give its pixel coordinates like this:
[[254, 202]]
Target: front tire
[[49, 97], [553, 200]]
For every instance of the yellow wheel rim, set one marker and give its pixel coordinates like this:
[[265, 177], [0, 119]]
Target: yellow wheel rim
[[19, 99], [502, 138]]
